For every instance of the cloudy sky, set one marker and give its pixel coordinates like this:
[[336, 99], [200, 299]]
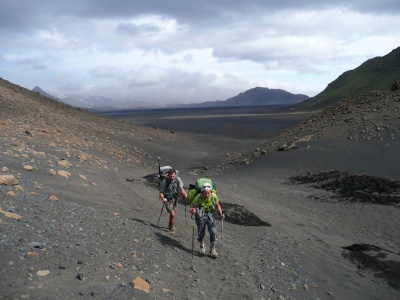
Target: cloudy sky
[[183, 51]]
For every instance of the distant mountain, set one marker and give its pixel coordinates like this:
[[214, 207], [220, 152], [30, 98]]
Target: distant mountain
[[377, 73], [80, 101], [256, 97], [88, 101], [43, 93]]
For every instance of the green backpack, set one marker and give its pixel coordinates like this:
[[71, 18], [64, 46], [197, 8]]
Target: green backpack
[[195, 189]]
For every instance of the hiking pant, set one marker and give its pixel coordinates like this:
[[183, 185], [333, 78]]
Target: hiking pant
[[171, 204], [209, 221]]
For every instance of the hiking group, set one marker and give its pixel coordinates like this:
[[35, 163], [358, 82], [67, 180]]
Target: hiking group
[[203, 203]]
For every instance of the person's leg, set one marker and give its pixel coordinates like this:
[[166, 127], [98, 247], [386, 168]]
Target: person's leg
[[212, 229], [201, 231], [172, 215], [172, 220]]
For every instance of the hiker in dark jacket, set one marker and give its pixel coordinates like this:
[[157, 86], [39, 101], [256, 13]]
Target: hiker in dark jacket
[[169, 190], [203, 207]]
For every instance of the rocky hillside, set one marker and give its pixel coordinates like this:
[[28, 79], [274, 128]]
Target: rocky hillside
[[377, 73], [79, 221], [27, 118], [374, 116]]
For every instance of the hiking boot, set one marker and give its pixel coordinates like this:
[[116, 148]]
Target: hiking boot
[[213, 252], [203, 249]]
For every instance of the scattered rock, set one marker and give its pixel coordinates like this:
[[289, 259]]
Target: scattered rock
[[10, 214], [19, 188], [64, 163], [33, 254], [354, 188], [396, 86], [8, 180], [63, 173], [376, 260], [141, 284], [42, 273]]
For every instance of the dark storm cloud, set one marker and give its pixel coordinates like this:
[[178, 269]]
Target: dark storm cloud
[[20, 14]]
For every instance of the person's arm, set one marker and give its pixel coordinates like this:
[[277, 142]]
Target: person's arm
[[162, 188], [193, 209], [219, 210], [194, 205], [162, 197], [181, 188], [183, 192]]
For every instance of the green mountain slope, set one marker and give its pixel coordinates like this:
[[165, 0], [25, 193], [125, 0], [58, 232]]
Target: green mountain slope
[[377, 73]]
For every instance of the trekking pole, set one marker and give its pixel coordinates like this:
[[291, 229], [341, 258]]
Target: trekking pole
[[162, 208], [159, 172], [159, 183], [192, 267], [185, 210], [222, 227], [222, 233], [222, 230]]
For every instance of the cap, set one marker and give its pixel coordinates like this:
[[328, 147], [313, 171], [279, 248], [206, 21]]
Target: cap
[[206, 186]]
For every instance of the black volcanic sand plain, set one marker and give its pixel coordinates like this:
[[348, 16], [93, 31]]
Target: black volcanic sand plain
[[312, 212]]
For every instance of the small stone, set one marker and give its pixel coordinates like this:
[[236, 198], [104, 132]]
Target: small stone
[[141, 284], [65, 163], [19, 188], [42, 273], [63, 173], [33, 254], [80, 276]]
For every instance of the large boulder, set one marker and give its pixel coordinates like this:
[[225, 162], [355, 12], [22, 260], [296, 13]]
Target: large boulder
[[396, 86]]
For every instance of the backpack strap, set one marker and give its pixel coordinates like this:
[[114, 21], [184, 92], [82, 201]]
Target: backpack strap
[[201, 198], [213, 199], [171, 191]]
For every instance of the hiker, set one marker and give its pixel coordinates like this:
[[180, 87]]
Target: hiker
[[170, 187], [203, 207]]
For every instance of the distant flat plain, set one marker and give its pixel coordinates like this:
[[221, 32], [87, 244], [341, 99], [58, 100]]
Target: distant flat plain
[[244, 123]]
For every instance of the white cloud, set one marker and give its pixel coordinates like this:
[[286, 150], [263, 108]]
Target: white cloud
[[181, 53]]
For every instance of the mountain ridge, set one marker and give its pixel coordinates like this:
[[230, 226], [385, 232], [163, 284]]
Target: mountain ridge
[[377, 73], [257, 96]]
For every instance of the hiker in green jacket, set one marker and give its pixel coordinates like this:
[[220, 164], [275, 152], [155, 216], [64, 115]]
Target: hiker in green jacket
[[169, 190], [203, 207]]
